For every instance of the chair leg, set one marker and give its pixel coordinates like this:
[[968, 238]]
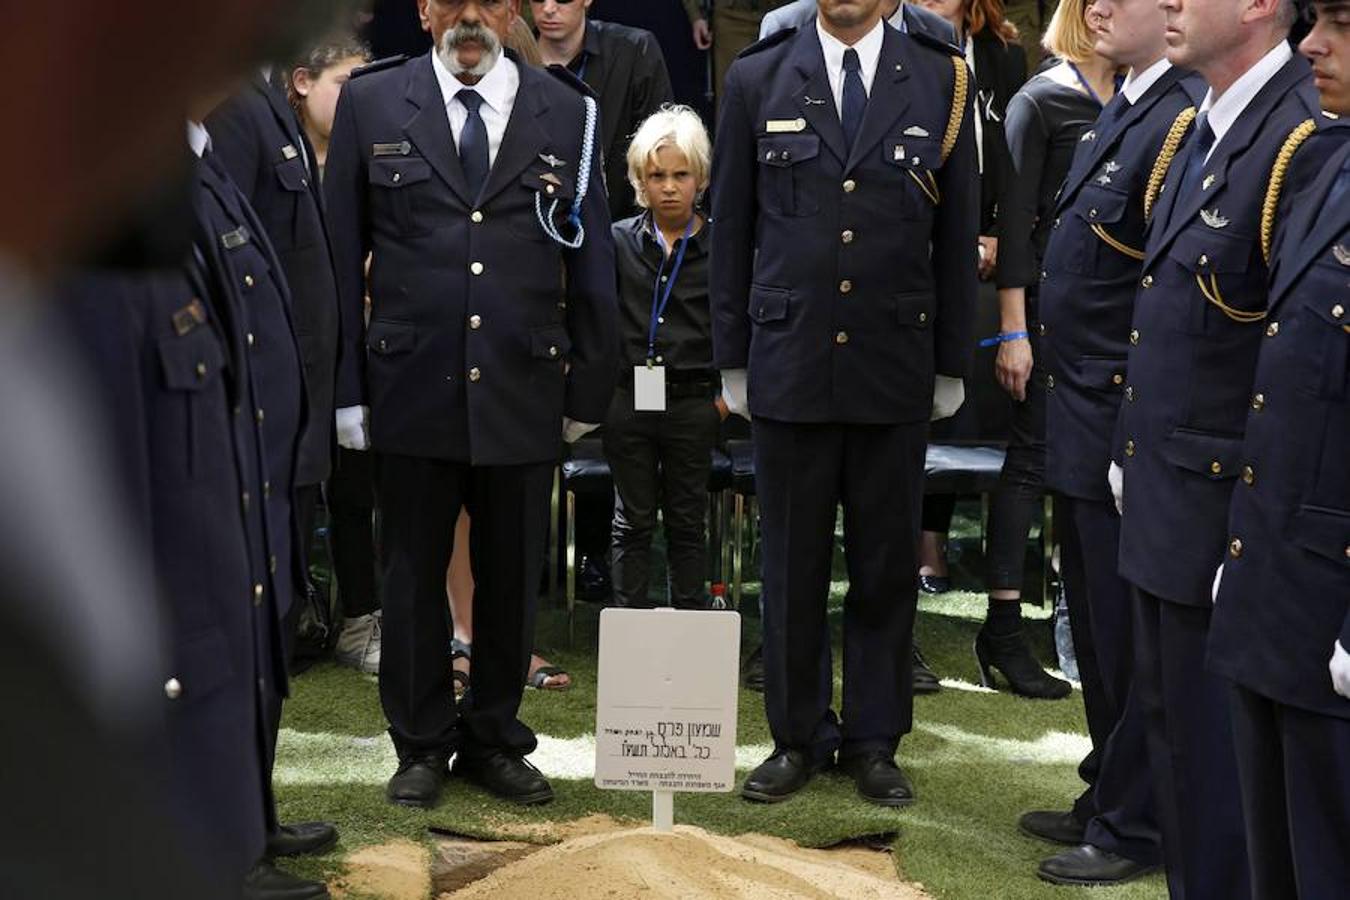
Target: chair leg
[[737, 536], [571, 563], [553, 550], [1048, 548], [714, 545]]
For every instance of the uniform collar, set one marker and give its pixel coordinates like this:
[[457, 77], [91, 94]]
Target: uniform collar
[[1223, 112], [199, 140], [1137, 84], [868, 47], [897, 20], [497, 88]]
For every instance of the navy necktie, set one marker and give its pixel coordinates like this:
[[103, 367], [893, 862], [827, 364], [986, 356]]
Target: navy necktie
[[473, 142], [1200, 145], [855, 97]]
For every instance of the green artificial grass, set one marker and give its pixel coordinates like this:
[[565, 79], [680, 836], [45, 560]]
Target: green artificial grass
[[978, 759]]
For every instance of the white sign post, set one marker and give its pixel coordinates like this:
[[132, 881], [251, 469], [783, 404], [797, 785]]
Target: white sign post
[[665, 716]]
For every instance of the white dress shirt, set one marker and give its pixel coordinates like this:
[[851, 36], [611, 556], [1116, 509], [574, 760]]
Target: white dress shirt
[[198, 138], [869, 55], [1137, 84], [498, 90], [1223, 112]]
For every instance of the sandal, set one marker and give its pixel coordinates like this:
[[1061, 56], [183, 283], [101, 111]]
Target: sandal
[[459, 650], [539, 678]]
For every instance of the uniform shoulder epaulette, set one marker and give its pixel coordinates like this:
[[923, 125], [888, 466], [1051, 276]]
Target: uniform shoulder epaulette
[[1297, 138], [933, 42], [569, 78], [379, 65], [772, 40]]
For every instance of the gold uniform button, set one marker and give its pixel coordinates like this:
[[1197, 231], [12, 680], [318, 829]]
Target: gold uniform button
[[845, 286], [201, 370], [553, 351], [259, 415], [384, 345], [475, 322], [1258, 402], [1216, 467], [1092, 213], [1134, 337], [173, 689], [272, 564], [1272, 329], [1056, 225], [1337, 311], [476, 217], [257, 594], [249, 338], [1147, 281], [850, 186], [474, 374], [1248, 475], [1235, 548], [841, 338], [397, 178], [248, 281], [923, 318], [846, 237], [1347, 551], [1117, 378], [267, 490], [476, 268], [1129, 448]]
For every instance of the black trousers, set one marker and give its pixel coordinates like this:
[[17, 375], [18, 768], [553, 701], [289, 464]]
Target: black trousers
[[803, 474], [1190, 751], [351, 527], [1118, 803], [660, 461], [420, 500], [1021, 484], [1294, 767]]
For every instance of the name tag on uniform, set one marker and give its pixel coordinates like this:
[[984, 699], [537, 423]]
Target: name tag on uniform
[[785, 126], [402, 148], [237, 238], [649, 388], [289, 151], [189, 317]]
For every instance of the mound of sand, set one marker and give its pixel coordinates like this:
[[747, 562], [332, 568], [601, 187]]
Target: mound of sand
[[689, 863]]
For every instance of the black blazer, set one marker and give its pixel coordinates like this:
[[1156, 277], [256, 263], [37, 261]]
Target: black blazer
[[258, 139], [1000, 71]]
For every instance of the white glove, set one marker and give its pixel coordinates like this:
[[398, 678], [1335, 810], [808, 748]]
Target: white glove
[[948, 395], [735, 392], [353, 427], [1214, 591], [574, 431], [1340, 671], [1115, 476]]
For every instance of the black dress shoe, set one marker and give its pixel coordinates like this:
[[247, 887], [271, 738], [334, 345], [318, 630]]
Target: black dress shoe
[[418, 781], [1053, 826], [509, 777], [1011, 655], [935, 584], [879, 779], [1088, 865], [302, 838], [267, 882], [752, 673], [780, 776], [925, 679]]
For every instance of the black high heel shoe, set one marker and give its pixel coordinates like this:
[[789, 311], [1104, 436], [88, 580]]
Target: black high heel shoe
[[1011, 656]]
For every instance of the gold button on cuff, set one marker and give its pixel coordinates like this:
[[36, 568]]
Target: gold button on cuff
[[1272, 329], [850, 186], [1235, 548], [1129, 448], [474, 374], [845, 286], [475, 322], [173, 689], [1216, 467], [476, 217], [1248, 475], [841, 338], [476, 268], [1258, 402]]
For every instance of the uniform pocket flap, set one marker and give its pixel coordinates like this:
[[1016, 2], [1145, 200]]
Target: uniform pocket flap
[[788, 149], [1100, 205], [549, 182], [768, 304], [201, 665], [912, 152], [390, 338], [914, 310], [1323, 531], [1204, 249], [397, 173], [1213, 455], [1101, 372], [549, 342], [292, 175], [190, 361]]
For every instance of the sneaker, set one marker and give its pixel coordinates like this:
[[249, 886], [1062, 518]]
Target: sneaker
[[358, 644]]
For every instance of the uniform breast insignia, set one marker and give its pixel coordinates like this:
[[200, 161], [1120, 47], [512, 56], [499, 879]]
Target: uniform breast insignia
[[899, 152], [551, 161], [1213, 218], [1342, 254], [1111, 167], [1207, 183], [916, 131], [1088, 136], [1103, 179], [189, 317], [232, 240], [398, 148], [812, 101], [785, 126], [289, 151]]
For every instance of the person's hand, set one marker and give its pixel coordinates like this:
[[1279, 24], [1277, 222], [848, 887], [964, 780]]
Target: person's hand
[[1012, 367], [702, 34], [353, 427], [1115, 477], [1340, 670], [948, 395], [1214, 590], [988, 256], [735, 393], [721, 405], [574, 431]]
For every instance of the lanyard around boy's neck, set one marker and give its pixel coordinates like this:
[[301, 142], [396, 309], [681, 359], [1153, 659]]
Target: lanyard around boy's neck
[[660, 299]]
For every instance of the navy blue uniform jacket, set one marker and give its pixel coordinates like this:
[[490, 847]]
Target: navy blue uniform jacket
[[1190, 371], [843, 281], [483, 332], [1285, 600], [1091, 272]]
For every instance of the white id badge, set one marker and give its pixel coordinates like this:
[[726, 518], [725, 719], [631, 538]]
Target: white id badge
[[649, 388]]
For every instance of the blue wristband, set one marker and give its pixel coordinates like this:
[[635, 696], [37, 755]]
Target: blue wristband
[[1004, 337]]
